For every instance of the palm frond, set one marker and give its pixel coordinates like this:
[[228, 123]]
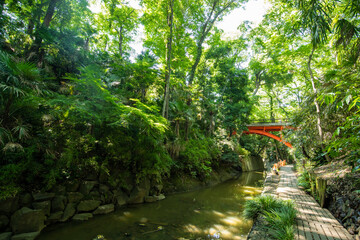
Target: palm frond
[[22, 131], [346, 31]]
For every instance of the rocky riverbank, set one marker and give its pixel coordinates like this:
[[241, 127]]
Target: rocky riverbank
[[344, 202], [335, 187], [24, 216]]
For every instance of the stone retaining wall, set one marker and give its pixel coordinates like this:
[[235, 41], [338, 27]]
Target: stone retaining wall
[[24, 216]]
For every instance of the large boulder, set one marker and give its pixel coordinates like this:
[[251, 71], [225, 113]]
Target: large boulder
[[160, 197], [106, 195], [26, 236], [58, 203], [120, 198], [138, 195], [104, 209], [68, 212], [44, 206], [55, 217], [139, 192], [150, 199], [88, 205], [75, 197], [87, 186], [43, 196], [82, 216], [154, 198], [9, 205], [95, 195], [26, 220], [5, 236]]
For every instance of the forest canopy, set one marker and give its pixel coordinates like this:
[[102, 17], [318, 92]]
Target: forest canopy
[[74, 98]]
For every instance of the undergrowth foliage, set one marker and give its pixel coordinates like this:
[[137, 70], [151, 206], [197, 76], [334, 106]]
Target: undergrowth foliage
[[276, 216]]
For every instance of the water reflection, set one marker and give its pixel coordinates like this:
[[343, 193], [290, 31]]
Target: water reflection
[[211, 213]]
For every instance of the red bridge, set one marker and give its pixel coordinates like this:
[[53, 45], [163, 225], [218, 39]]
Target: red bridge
[[265, 129]]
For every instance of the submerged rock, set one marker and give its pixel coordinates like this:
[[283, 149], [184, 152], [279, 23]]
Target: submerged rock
[[160, 197], [150, 199], [104, 209], [82, 216], [26, 236]]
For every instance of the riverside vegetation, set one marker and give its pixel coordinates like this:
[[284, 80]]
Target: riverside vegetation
[[275, 216], [77, 102]]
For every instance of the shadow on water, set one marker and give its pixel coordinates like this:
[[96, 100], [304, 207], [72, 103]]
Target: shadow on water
[[210, 213]]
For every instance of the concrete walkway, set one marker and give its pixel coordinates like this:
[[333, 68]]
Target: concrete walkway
[[313, 222]]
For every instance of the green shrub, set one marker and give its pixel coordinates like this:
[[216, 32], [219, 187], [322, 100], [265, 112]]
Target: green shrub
[[280, 221], [198, 155], [304, 181], [278, 215], [260, 205]]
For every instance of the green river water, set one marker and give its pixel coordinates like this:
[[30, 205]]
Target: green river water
[[210, 213]]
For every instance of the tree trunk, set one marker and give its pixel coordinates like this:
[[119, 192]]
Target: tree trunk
[[272, 117], [305, 153], [211, 127], [177, 128], [34, 50], [318, 113], [197, 60], [121, 41], [50, 13], [278, 150], [86, 45], [205, 29], [257, 82], [165, 110], [2, 3]]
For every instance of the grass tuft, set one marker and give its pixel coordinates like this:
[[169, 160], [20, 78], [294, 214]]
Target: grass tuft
[[278, 215]]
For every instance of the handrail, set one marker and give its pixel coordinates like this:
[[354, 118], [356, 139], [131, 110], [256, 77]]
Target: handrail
[[278, 120]]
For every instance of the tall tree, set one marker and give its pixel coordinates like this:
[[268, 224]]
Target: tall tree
[[170, 17], [314, 19], [209, 12]]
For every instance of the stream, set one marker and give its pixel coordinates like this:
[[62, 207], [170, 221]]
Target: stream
[[209, 213]]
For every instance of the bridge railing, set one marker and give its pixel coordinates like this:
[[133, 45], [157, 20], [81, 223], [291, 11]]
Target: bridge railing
[[278, 120]]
